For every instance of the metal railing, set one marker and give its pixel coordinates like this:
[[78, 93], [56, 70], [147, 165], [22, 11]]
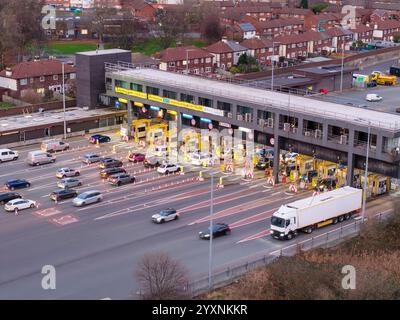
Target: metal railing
[[289, 105]]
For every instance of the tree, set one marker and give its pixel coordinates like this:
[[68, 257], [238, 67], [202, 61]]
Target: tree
[[48, 95], [99, 18], [31, 96], [162, 278], [210, 28], [171, 25], [319, 7], [396, 37], [304, 4], [70, 88]]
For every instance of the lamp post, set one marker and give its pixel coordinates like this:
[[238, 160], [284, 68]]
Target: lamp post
[[211, 233], [272, 70], [63, 91], [187, 59], [366, 174]]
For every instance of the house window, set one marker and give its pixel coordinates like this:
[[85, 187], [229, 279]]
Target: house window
[[55, 77], [208, 69], [72, 76], [24, 82], [229, 55], [208, 60], [31, 80], [263, 50], [41, 78], [196, 61], [196, 71], [172, 64]]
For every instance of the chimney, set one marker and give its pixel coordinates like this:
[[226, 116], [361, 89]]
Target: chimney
[[224, 39], [8, 72]]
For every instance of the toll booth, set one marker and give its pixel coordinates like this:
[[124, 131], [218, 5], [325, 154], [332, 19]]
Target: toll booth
[[327, 169], [157, 134], [139, 128]]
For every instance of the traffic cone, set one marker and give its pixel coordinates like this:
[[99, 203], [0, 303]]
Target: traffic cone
[[201, 176], [97, 143]]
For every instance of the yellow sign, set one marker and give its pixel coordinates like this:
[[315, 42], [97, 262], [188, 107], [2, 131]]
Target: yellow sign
[[172, 112], [122, 100], [176, 103], [155, 98], [133, 93], [138, 104]]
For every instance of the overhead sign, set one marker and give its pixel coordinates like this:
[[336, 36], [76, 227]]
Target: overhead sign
[[132, 93]]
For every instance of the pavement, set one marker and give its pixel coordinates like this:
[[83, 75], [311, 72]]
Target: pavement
[[95, 249]]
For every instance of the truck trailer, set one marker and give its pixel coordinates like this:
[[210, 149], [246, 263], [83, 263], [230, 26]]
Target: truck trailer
[[315, 212]]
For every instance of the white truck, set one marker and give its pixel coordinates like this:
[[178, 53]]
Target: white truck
[[315, 212]]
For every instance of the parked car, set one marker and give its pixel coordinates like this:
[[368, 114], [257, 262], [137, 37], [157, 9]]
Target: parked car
[[199, 158], [19, 204], [100, 138], [8, 196], [67, 172], [110, 163], [373, 97], [323, 91], [136, 157], [152, 162], [219, 229], [8, 155], [17, 184], [39, 157], [371, 84], [87, 197], [291, 156], [165, 215], [120, 179], [58, 195], [326, 184], [91, 158], [54, 145], [69, 183], [105, 173], [168, 168]]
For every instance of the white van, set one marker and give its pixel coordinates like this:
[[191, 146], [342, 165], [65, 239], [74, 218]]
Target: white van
[[160, 151], [199, 158], [8, 155], [38, 157], [54, 145]]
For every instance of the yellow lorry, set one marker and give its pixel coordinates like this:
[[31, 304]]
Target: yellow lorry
[[383, 79]]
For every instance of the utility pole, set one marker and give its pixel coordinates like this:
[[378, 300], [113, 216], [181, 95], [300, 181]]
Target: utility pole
[[272, 70], [341, 69], [366, 175], [63, 91], [211, 233]]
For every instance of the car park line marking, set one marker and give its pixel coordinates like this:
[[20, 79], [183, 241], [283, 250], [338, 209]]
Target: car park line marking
[[252, 219], [255, 236], [46, 212], [64, 220]]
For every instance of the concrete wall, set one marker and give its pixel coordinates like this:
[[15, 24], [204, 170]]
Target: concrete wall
[[90, 75], [35, 108]]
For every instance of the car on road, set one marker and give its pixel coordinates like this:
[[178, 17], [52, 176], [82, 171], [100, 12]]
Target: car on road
[[8, 155], [152, 162], [291, 156], [199, 158], [69, 183], [100, 138], [58, 195], [110, 163], [219, 229], [165, 215], [17, 184], [67, 172], [8, 196], [136, 157], [87, 197], [120, 179], [39, 157], [91, 158], [326, 184], [54, 145], [264, 163], [105, 173], [371, 84], [168, 168], [19, 204], [373, 97]]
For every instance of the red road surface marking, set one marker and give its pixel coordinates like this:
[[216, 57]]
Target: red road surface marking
[[64, 220], [252, 219], [256, 236], [46, 212]]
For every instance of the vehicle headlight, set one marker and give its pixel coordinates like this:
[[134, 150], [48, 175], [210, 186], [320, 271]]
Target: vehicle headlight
[[207, 235], [282, 234]]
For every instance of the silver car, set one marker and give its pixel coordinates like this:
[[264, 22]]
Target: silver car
[[69, 183], [165, 215], [91, 158], [67, 172], [87, 197]]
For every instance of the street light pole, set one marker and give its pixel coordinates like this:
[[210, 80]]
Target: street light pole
[[272, 61], [341, 69], [63, 91], [187, 61], [211, 233], [366, 175]]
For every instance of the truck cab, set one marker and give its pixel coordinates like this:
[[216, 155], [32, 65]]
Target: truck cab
[[283, 223]]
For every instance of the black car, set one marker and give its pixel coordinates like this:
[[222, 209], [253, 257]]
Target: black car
[[8, 196], [105, 173], [63, 194], [110, 163], [100, 138], [219, 229]]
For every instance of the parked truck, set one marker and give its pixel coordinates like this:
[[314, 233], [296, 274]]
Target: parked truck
[[315, 212], [383, 79]]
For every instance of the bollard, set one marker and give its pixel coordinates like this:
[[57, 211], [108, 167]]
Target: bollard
[[181, 171], [201, 176]]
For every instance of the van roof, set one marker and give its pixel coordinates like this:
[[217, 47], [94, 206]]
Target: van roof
[[37, 152]]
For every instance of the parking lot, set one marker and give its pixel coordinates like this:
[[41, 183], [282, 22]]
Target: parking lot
[[95, 248]]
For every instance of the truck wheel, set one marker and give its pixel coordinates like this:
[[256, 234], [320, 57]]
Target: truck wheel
[[335, 221], [309, 230], [289, 236], [341, 218], [347, 216]]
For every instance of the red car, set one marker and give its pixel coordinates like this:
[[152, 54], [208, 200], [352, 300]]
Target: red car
[[136, 157], [323, 91]]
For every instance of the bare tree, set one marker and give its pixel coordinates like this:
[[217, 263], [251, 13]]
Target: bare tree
[[99, 20], [171, 25], [211, 28], [162, 278]]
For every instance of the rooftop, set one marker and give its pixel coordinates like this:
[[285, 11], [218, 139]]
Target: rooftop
[[102, 52], [262, 97], [17, 123]]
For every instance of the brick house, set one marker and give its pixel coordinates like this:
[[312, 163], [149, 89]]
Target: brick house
[[379, 15], [117, 4], [240, 31], [278, 27], [340, 37], [226, 53], [296, 13], [61, 5], [261, 49], [292, 46], [37, 75], [384, 30], [175, 59], [322, 21], [363, 33], [140, 8]]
